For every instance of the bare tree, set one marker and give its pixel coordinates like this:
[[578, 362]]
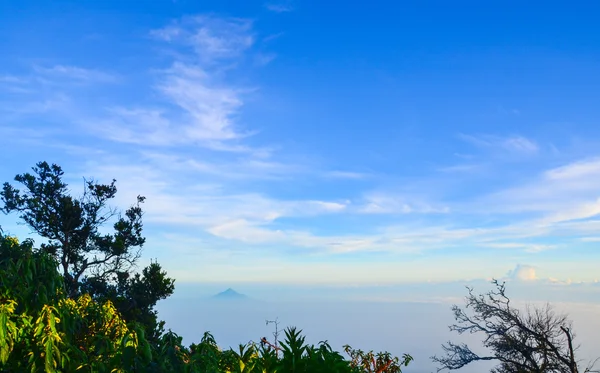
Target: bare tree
[[275, 334], [537, 340]]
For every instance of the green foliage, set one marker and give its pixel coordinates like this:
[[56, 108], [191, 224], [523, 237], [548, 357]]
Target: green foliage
[[294, 356], [26, 276], [369, 362], [64, 334]]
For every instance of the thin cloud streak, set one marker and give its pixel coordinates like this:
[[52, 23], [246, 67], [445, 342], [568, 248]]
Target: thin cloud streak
[[279, 7], [568, 192], [75, 73], [511, 144]]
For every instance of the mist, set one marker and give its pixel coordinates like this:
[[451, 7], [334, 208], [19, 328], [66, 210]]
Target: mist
[[416, 328]]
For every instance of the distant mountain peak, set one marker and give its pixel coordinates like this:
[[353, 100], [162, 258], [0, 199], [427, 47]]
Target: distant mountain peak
[[229, 294]]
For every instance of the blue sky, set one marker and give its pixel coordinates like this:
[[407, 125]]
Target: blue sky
[[307, 142]]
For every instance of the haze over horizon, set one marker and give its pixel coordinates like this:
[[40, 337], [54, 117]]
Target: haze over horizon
[[305, 150], [380, 324]]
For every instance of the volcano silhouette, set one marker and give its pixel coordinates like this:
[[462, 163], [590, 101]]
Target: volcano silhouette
[[229, 294]]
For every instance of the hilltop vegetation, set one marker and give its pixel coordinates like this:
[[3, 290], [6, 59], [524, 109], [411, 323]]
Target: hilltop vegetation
[[77, 304]]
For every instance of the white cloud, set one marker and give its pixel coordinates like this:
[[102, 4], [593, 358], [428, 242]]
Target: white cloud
[[590, 239], [48, 90], [583, 210], [565, 193], [12, 79], [238, 168], [522, 273], [527, 247], [212, 38], [511, 144], [346, 175], [74, 73], [460, 168], [520, 144], [244, 231], [575, 171], [53, 103], [15, 84], [328, 206], [44, 77], [280, 7], [208, 108], [382, 203], [203, 204]]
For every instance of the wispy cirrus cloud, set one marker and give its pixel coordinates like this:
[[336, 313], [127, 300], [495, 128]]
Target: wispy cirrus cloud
[[245, 168], [208, 108], [46, 89], [511, 144], [527, 247], [39, 104], [56, 75], [74, 73], [576, 171], [53, 90], [336, 174], [200, 106], [203, 115], [201, 204], [279, 6], [491, 150], [211, 38], [563, 193], [460, 168], [263, 59], [385, 203]]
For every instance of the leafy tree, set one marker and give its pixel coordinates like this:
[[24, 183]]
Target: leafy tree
[[536, 341], [100, 264]]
